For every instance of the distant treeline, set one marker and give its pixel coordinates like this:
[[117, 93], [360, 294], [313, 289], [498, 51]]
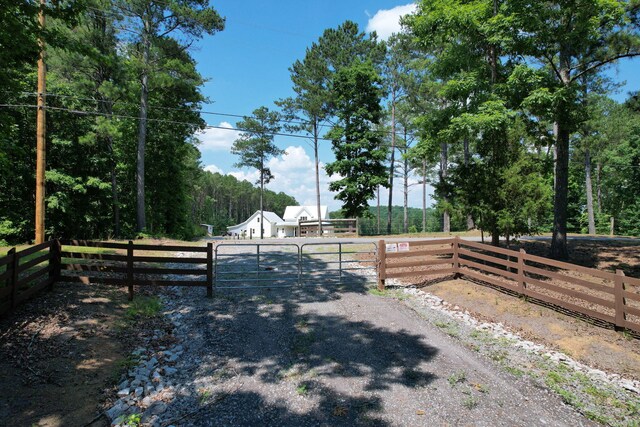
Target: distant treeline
[[370, 226], [222, 200]]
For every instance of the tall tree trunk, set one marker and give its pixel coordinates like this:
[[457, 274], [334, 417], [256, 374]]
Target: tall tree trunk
[[262, 198], [470, 224], [317, 161], [424, 195], [405, 174], [444, 160], [495, 236], [114, 189], [589, 191], [599, 186], [559, 239], [142, 128], [106, 108], [405, 219], [393, 152], [378, 209]]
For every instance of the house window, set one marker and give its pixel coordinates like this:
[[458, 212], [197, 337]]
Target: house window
[[303, 218], [258, 219]]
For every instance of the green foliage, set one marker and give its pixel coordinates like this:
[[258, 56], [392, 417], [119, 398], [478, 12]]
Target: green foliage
[[358, 148], [368, 224], [95, 68], [144, 306], [222, 200], [255, 145]]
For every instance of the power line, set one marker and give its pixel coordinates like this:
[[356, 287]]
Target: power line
[[294, 122], [122, 116], [213, 113]]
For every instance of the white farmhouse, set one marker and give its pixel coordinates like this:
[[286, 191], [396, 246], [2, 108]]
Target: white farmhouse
[[251, 227], [289, 226]]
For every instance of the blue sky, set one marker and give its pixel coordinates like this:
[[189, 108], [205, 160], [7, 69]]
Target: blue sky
[[247, 66]]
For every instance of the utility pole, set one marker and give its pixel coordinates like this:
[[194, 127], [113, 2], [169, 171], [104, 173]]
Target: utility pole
[[41, 148]]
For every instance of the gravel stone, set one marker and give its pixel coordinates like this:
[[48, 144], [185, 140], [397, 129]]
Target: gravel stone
[[320, 356], [124, 392]]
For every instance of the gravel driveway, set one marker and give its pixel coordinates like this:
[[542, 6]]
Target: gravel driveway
[[327, 356]]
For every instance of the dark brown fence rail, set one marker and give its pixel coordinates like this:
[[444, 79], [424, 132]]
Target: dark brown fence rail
[[137, 264], [25, 273], [607, 296], [330, 227]]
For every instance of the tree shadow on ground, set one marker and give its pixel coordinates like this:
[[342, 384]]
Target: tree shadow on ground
[[302, 358], [606, 254], [58, 353]]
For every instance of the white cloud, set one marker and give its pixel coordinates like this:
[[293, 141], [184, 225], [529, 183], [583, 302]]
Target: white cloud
[[387, 21], [213, 169], [294, 174], [252, 176], [218, 138], [295, 158]]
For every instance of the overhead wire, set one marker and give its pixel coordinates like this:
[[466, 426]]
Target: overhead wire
[[151, 119], [213, 113]]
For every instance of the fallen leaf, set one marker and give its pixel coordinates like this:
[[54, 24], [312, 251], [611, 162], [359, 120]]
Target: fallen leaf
[[340, 411]]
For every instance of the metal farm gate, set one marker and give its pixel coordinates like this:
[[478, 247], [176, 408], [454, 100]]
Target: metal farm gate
[[276, 265]]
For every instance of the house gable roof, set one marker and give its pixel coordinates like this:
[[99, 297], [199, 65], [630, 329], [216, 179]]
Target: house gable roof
[[272, 217], [292, 213]]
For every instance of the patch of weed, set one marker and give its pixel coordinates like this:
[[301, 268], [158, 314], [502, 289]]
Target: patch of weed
[[378, 293], [597, 417], [302, 389], [475, 334], [123, 365], [554, 377], [514, 371], [144, 306], [448, 328], [627, 335], [498, 356], [596, 392], [481, 388], [470, 402], [441, 324], [457, 378], [131, 420]]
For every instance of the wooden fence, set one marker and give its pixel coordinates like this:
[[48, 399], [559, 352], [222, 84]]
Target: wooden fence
[[27, 272], [610, 297], [117, 264], [332, 227]]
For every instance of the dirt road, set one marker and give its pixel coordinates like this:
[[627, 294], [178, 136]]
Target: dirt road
[[336, 357]]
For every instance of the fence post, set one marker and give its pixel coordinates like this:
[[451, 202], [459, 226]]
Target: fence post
[[456, 257], [130, 269], [13, 277], [258, 261], [55, 262], [209, 270], [521, 284], [382, 264], [618, 287], [340, 260], [299, 248]]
